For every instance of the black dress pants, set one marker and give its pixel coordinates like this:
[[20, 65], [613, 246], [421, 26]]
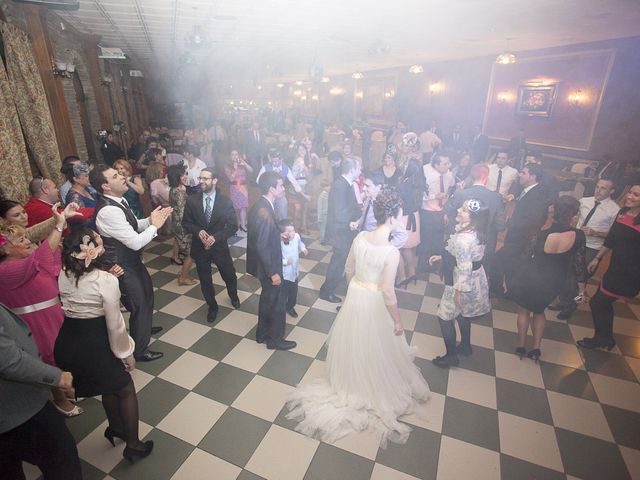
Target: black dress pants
[[290, 294], [335, 270], [271, 312], [137, 297], [221, 257], [45, 441], [602, 313]]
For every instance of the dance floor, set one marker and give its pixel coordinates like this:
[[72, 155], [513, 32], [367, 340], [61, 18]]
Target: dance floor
[[214, 405]]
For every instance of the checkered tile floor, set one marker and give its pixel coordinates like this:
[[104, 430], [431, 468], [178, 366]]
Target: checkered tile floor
[[214, 405]]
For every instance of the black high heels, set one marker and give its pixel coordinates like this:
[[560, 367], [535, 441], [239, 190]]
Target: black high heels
[[534, 354], [594, 342], [176, 262], [403, 284], [110, 434], [521, 352], [132, 454]]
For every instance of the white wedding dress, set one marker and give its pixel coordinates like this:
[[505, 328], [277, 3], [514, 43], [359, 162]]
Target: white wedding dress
[[370, 379]]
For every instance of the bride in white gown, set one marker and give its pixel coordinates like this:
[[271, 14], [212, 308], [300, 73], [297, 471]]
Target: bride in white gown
[[370, 379]]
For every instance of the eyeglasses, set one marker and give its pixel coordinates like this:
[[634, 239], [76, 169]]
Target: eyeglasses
[[205, 178]]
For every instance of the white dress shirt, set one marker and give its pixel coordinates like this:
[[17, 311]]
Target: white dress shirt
[[294, 183], [509, 177], [111, 222], [432, 177], [600, 221]]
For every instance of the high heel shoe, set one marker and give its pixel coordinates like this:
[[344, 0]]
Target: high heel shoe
[[591, 343], [176, 262], [110, 434], [132, 454], [521, 352], [534, 354], [403, 284]]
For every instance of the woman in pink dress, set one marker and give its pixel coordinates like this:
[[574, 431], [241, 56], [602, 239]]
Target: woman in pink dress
[[237, 172], [29, 287]]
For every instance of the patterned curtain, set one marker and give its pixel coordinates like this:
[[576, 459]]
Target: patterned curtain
[[31, 102], [14, 163]]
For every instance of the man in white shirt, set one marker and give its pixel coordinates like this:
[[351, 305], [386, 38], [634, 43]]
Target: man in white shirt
[[502, 176], [596, 216], [124, 236], [439, 180]]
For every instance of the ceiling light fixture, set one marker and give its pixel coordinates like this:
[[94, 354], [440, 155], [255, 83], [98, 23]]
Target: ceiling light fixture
[[506, 58], [357, 75], [280, 85], [416, 69], [298, 82], [63, 69], [325, 80]]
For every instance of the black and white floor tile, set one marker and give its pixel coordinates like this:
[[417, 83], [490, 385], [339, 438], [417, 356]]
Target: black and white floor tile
[[214, 405]]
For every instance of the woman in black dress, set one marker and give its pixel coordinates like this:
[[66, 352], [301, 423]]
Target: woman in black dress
[[621, 281], [93, 343], [389, 169], [540, 277]]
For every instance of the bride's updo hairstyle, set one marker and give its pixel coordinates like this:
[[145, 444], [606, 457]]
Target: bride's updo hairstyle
[[387, 204]]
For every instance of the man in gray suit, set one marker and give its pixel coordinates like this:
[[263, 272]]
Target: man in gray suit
[[31, 429]]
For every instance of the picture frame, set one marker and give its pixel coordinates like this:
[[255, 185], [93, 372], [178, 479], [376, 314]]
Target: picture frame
[[536, 100]]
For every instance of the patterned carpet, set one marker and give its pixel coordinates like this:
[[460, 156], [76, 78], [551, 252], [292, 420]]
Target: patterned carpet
[[214, 405]]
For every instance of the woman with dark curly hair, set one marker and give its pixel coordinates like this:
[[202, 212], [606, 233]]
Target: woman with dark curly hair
[[371, 379], [539, 280], [93, 343]]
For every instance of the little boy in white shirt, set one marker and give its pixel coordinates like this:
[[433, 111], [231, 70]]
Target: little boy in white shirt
[[292, 246]]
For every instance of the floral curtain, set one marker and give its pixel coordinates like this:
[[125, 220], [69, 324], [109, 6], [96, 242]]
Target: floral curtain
[[31, 102], [14, 163]]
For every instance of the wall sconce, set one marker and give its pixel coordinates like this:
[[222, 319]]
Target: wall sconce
[[357, 75], [576, 98], [359, 94], [62, 69], [336, 91], [303, 98], [106, 81], [435, 88], [280, 85], [259, 87], [389, 94], [298, 82], [504, 97], [297, 93], [325, 80], [314, 97], [416, 69]]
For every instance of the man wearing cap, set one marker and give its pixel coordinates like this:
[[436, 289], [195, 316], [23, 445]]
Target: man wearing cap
[[275, 164]]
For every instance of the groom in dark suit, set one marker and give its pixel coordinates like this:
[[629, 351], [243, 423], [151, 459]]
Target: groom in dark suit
[[210, 219], [343, 215], [264, 261]]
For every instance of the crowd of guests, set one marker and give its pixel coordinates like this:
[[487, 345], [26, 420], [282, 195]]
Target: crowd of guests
[[489, 226]]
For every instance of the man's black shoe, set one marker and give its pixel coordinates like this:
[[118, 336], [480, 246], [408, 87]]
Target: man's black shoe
[[281, 344], [155, 330], [235, 302], [149, 356], [292, 313], [331, 298], [212, 314]]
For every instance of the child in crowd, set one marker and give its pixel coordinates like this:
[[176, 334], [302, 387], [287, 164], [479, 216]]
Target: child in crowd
[[292, 246]]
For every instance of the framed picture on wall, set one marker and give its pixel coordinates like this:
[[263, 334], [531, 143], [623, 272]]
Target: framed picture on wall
[[535, 100]]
